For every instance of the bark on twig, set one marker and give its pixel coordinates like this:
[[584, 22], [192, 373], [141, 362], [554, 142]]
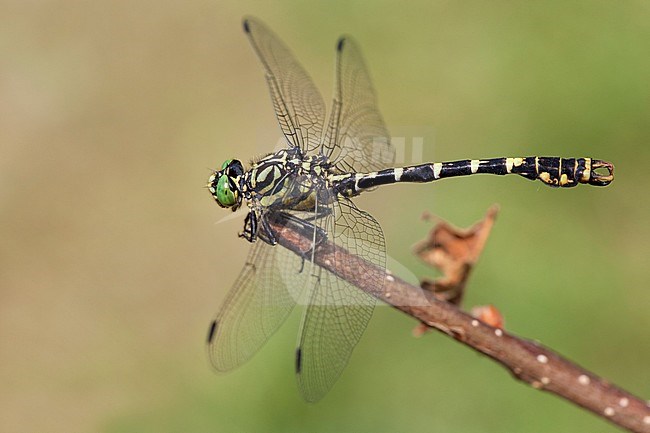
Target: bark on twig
[[525, 359]]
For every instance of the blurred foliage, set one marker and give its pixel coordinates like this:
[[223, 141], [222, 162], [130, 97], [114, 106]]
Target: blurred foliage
[[112, 265]]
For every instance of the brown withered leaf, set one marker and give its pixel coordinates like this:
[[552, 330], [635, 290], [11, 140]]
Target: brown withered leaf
[[454, 252]]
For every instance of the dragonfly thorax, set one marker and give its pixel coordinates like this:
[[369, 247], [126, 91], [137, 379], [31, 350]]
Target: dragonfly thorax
[[285, 180]]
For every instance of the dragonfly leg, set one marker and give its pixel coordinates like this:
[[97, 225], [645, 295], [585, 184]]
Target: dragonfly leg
[[266, 233], [250, 228], [304, 226], [321, 211]]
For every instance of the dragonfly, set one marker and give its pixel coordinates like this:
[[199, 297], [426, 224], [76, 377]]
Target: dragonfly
[[310, 184]]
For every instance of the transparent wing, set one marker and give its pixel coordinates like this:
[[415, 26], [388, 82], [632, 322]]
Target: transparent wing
[[297, 102], [338, 312], [356, 139], [258, 303]]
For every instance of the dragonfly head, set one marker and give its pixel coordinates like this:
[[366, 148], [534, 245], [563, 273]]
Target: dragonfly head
[[224, 184]]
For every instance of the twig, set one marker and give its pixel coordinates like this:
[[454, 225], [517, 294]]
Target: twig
[[525, 359]]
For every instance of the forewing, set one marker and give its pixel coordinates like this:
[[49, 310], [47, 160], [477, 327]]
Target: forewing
[[356, 139], [297, 102], [258, 303], [338, 312]]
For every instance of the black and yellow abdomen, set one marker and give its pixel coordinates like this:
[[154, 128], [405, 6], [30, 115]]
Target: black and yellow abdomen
[[553, 171]]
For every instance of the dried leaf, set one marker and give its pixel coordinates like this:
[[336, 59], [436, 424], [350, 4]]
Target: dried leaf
[[454, 252]]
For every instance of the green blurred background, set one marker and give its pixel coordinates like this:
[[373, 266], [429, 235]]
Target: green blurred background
[[112, 265]]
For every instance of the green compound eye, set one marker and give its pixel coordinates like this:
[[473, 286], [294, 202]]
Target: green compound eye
[[226, 163], [225, 196]]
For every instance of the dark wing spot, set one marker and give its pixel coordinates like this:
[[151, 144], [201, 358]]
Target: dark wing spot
[[340, 44], [246, 26], [298, 360], [212, 331]]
